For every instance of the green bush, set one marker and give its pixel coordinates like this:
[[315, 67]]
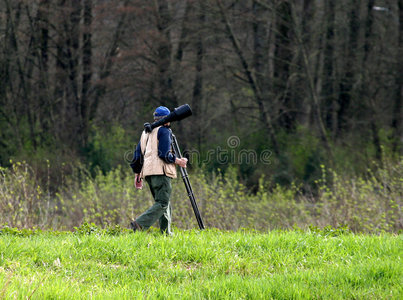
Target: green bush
[[370, 203]]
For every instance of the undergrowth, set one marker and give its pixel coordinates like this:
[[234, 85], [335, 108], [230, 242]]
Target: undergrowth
[[370, 203]]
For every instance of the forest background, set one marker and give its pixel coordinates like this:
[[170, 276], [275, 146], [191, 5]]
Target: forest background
[[297, 108]]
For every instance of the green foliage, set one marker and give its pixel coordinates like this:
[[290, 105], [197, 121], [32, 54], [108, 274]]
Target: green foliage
[[202, 265], [305, 154], [5, 229], [87, 229], [370, 203], [106, 148], [23, 202], [327, 230], [367, 203]]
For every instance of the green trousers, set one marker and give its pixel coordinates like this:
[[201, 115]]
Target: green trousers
[[160, 186]]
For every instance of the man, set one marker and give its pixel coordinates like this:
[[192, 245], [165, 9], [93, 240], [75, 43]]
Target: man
[[154, 161]]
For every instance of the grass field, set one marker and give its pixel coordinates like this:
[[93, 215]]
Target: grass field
[[201, 265]]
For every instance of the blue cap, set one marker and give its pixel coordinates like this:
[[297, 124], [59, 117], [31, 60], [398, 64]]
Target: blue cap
[[161, 111]]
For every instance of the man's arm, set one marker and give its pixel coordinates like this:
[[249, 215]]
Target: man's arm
[[164, 145], [164, 148], [137, 162]]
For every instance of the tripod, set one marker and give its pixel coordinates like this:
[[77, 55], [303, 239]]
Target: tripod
[[185, 178]]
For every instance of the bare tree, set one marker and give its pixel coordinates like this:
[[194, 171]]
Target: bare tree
[[264, 116], [397, 111]]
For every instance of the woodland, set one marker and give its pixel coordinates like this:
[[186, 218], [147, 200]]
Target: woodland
[[280, 89]]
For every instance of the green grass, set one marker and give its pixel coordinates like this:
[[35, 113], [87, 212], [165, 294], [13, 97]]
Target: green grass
[[201, 265]]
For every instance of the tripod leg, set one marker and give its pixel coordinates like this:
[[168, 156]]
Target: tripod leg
[[186, 181]]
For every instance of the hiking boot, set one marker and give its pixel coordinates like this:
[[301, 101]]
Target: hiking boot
[[135, 226]]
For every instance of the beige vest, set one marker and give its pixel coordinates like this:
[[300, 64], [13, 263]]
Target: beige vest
[[153, 165]]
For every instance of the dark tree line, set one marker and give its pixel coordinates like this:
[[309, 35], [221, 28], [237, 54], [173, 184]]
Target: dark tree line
[[314, 81]]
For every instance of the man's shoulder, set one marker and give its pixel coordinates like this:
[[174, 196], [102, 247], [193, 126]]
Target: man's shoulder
[[163, 131]]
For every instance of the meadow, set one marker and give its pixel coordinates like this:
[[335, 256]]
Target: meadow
[[341, 240], [114, 263]]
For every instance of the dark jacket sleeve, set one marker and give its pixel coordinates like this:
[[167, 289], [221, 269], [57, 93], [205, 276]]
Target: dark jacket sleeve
[[137, 162], [165, 145]]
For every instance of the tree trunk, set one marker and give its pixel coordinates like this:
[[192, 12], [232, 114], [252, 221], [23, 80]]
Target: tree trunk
[[183, 35], [283, 57], [313, 83], [106, 67], [73, 44], [397, 112], [87, 71], [264, 116], [259, 45], [329, 85], [59, 92], [9, 80], [42, 25], [12, 24], [366, 91], [347, 81], [167, 94], [197, 96]]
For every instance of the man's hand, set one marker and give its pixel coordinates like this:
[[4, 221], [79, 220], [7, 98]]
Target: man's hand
[[181, 162], [138, 182]]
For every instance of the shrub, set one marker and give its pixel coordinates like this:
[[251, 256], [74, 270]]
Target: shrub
[[370, 203]]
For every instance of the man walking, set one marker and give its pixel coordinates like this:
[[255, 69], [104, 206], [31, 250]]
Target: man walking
[[154, 161]]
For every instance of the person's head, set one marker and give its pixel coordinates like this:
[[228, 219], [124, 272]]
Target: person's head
[[161, 112]]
